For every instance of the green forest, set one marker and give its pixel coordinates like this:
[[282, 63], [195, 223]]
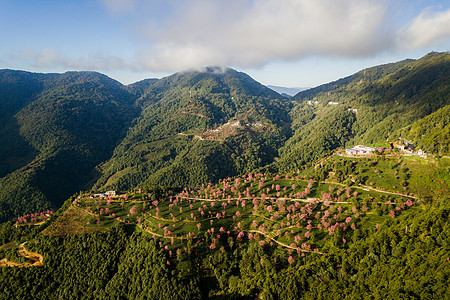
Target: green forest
[[209, 185], [62, 133]]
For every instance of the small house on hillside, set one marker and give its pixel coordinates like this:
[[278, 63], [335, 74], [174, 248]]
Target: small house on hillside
[[405, 146], [400, 147], [363, 149], [110, 193], [96, 196], [312, 102], [359, 150], [421, 153]]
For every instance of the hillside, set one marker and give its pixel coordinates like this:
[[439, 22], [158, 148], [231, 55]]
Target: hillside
[[197, 127], [335, 228], [61, 133], [55, 129], [432, 133], [373, 106]]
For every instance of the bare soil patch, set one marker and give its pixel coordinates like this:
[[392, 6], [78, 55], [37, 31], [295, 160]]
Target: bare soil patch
[[70, 223], [34, 259]]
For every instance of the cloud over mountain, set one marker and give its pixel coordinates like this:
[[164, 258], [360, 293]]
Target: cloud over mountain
[[172, 35], [252, 33], [427, 28]]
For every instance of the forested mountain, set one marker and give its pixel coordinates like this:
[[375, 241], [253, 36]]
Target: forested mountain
[[55, 129], [61, 133], [432, 133], [373, 106], [226, 189], [197, 127]]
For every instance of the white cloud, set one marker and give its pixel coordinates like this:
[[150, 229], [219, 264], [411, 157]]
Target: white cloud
[[427, 29], [251, 33], [50, 58]]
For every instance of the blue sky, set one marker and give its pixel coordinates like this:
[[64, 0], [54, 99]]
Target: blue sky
[[292, 43]]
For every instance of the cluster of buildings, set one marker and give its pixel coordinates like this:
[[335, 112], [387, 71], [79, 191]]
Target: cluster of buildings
[[359, 150], [409, 148], [352, 110], [405, 148], [106, 194], [312, 102]]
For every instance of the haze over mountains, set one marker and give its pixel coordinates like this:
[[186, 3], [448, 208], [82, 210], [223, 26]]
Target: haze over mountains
[[285, 90], [61, 133]]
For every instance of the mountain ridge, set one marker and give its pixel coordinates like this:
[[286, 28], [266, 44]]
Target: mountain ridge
[[194, 127]]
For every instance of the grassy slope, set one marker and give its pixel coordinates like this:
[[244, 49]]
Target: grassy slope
[[245, 200]]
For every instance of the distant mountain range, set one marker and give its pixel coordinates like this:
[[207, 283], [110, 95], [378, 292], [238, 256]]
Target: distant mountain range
[[285, 90], [62, 133]]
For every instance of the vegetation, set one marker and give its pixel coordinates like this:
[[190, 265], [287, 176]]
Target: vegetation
[[312, 233], [225, 188], [62, 133], [55, 130], [186, 131], [376, 105], [432, 133]]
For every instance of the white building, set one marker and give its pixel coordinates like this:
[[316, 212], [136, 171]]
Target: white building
[[359, 150], [110, 193]]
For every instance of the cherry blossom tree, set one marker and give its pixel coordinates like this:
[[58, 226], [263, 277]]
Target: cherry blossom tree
[[291, 260], [133, 210]]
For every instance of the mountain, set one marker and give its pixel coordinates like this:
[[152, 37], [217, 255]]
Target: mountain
[[198, 127], [432, 133], [374, 106], [221, 188], [55, 129], [62, 133], [290, 92]]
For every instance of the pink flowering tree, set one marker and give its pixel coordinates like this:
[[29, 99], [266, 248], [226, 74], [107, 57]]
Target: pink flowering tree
[[291, 260], [133, 210]]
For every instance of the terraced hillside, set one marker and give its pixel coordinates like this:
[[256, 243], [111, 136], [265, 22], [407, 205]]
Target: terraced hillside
[[338, 221]]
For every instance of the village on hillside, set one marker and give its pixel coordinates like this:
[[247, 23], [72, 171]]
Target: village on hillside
[[404, 148], [104, 195]]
